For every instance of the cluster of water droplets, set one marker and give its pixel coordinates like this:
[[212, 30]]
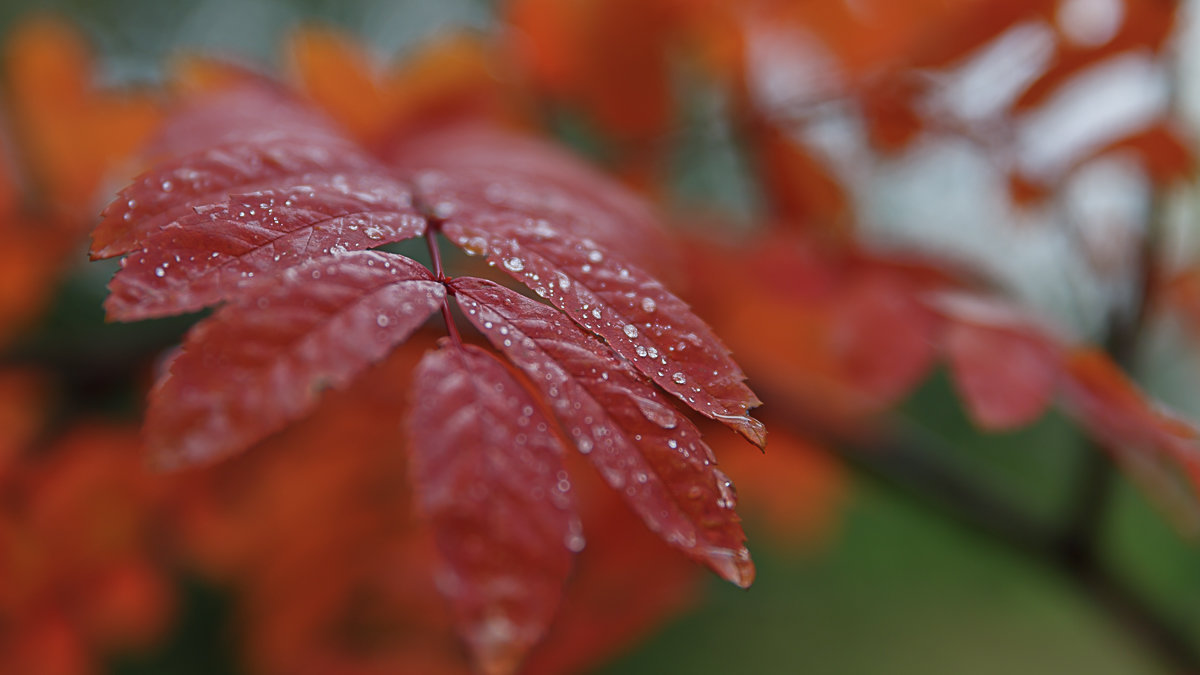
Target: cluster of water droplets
[[574, 540], [693, 517], [288, 213]]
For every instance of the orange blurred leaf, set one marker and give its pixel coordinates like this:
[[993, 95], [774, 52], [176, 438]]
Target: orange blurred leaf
[[71, 133]]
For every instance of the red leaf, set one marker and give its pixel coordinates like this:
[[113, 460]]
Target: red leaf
[[261, 362], [565, 49], [883, 337], [640, 444], [205, 257], [481, 177], [1006, 369], [489, 473], [1006, 379], [252, 109], [245, 141], [1160, 450], [798, 186], [266, 220], [642, 321], [1117, 413], [622, 560]]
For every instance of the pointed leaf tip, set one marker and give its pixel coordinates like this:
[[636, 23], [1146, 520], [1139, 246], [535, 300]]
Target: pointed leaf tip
[[750, 428], [494, 650], [649, 327], [734, 566], [651, 455], [498, 496]]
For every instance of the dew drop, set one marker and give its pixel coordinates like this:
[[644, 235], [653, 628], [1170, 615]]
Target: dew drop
[[495, 629], [656, 412], [382, 320], [648, 305], [596, 312], [514, 264], [167, 186], [728, 496], [631, 330], [595, 256], [542, 228], [159, 272], [474, 246], [574, 542], [679, 378]]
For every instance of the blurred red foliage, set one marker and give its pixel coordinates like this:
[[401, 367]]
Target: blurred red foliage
[[84, 567], [313, 534]]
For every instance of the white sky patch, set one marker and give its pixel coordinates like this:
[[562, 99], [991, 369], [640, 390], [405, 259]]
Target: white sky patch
[[1113, 99], [1090, 23], [947, 199], [1187, 61], [789, 68], [1107, 200], [988, 83]]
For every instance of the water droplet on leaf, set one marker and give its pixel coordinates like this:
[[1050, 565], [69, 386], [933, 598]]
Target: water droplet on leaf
[[656, 412]]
